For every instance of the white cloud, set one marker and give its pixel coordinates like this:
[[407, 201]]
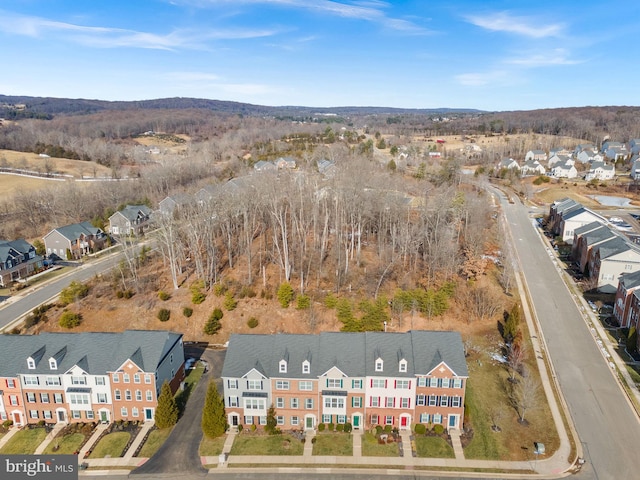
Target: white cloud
[[520, 25], [105, 37], [558, 56], [479, 79]]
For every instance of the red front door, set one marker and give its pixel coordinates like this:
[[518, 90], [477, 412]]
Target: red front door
[[403, 421]]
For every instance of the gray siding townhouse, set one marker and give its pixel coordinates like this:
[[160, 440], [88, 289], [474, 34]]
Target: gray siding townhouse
[[131, 220], [74, 240]]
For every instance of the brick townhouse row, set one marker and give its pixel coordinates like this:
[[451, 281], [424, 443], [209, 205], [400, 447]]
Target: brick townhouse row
[[87, 377], [366, 379]]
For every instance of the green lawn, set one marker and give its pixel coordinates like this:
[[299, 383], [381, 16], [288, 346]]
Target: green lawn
[[212, 447], [24, 442], [266, 445], [154, 441], [432, 447], [333, 444], [111, 445], [371, 447], [66, 445]]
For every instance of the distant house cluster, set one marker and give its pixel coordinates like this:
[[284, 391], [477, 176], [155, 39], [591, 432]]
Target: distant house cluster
[[87, 377], [365, 379], [18, 260], [601, 251], [561, 162]]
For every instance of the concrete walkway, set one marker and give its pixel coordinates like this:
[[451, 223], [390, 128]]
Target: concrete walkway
[[50, 436], [92, 440], [357, 444], [309, 435], [454, 433], [146, 426], [12, 431]]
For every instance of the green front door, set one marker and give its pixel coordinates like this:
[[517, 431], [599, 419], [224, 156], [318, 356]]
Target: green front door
[[356, 421], [309, 423]]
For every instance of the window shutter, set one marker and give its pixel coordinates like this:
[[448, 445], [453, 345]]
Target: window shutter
[[394, 402], [340, 383], [385, 383], [370, 401], [326, 382], [409, 384], [395, 384], [409, 402], [371, 382]]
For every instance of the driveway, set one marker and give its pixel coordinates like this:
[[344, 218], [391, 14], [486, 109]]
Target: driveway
[[179, 454]]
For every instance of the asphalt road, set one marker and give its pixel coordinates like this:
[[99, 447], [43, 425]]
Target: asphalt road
[[12, 309], [179, 455], [606, 424]]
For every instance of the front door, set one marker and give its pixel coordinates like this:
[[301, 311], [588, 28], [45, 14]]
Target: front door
[[453, 421], [403, 422], [309, 422], [148, 413], [104, 418], [234, 420], [356, 421], [61, 415], [17, 419]]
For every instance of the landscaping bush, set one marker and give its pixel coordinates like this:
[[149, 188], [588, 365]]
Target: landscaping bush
[[230, 303], [348, 427], [331, 427], [73, 292], [164, 315], [340, 427], [378, 429], [285, 294], [330, 301], [219, 289], [69, 319], [303, 302], [420, 429], [253, 427], [438, 429], [187, 311], [240, 427], [252, 322], [321, 427], [7, 423], [164, 296], [387, 428]]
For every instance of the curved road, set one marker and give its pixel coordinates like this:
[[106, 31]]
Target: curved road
[[607, 425]]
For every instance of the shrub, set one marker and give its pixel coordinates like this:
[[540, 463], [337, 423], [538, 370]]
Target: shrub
[[331, 427], [420, 429], [73, 292], [187, 311], [213, 324], [164, 296], [230, 303], [253, 427], [285, 294], [219, 289], [7, 423], [69, 319], [38, 315], [252, 322], [438, 429], [321, 427], [266, 294], [119, 294], [303, 302], [240, 427], [198, 297], [387, 428], [348, 427], [164, 315], [340, 427], [42, 423], [247, 292], [378, 429], [330, 301]]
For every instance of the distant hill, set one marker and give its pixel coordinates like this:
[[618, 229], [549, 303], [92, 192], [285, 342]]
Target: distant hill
[[23, 107]]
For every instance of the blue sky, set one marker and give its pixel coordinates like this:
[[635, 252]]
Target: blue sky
[[490, 55]]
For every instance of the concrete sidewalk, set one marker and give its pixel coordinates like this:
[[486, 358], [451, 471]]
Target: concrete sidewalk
[[50, 436], [7, 436]]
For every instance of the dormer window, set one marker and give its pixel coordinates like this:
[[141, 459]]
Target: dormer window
[[379, 365], [403, 366], [53, 365], [306, 366], [283, 366], [31, 363]]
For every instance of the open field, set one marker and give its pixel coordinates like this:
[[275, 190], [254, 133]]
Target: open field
[[33, 161]]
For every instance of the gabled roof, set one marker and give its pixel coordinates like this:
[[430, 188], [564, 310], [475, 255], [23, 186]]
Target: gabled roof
[[579, 211], [95, 353], [132, 212], [630, 280], [589, 227], [598, 235], [77, 230], [612, 247], [354, 354]]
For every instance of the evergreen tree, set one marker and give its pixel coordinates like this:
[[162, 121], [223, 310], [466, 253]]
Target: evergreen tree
[[213, 324], [285, 294], [167, 409], [272, 422], [512, 324], [345, 315], [214, 420]]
